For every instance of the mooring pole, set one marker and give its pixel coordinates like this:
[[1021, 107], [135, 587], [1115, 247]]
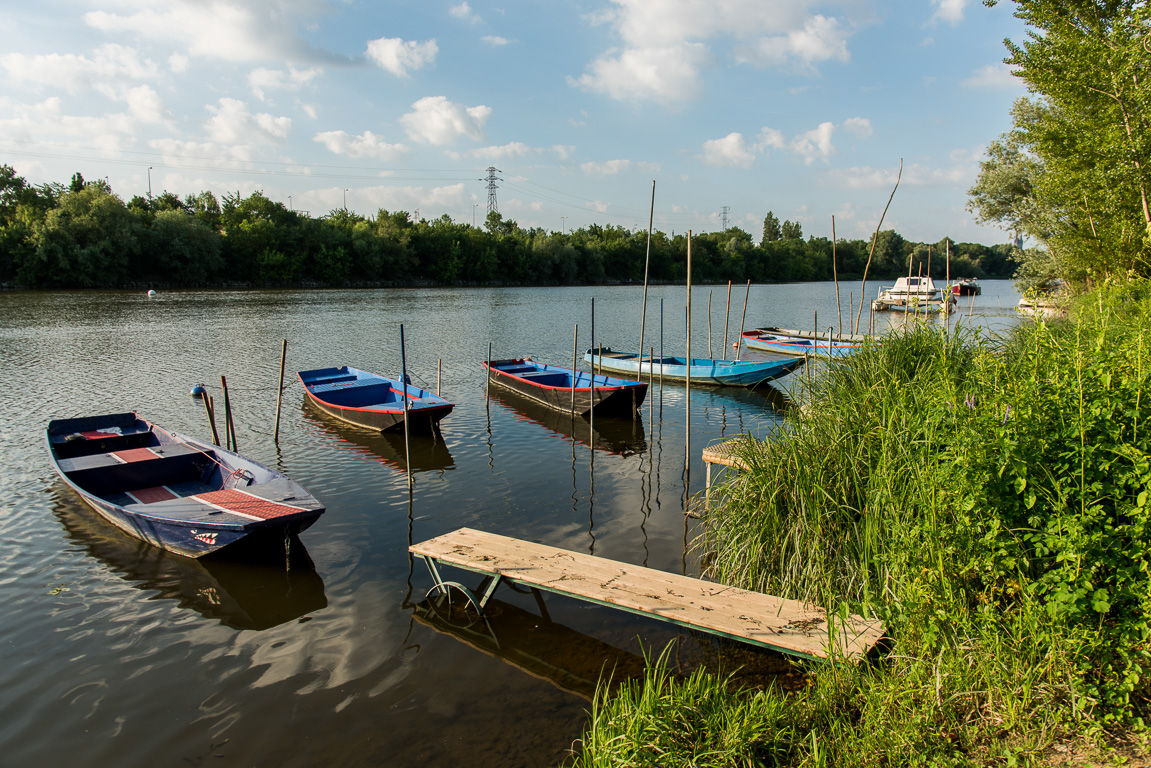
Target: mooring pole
[[280, 391], [211, 418], [742, 324], [727, 317], [646, 261], [488, 385], [687, 388], [591, 411], [229, 426], [439, 373], [404, 381], [575, 365]]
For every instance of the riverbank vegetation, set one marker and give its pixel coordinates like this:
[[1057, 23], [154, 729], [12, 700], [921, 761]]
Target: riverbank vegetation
[[84, 236], [988, 500], [986, 497]]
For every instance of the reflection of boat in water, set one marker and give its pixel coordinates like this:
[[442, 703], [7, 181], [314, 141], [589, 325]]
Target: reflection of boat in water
[[429, 452], [622, 435], [569, 660], [258, 591]]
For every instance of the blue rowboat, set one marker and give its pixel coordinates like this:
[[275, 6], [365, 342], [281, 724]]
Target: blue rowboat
[[173, 491], [372, 401], [554, 387], [702, 370], [787, 341]]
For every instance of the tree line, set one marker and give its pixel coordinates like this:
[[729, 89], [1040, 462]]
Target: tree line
[[84, 236]]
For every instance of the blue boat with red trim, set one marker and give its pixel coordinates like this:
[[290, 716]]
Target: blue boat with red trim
[[173, 491], [566, 389], [373, 401]]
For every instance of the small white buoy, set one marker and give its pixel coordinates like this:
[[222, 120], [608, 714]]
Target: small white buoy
[[151, 292]]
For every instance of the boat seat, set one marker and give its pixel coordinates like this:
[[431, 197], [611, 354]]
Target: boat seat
[[345, 384], [548, 378], [167, 470], [108, 443], [332, 379], [124, 454]]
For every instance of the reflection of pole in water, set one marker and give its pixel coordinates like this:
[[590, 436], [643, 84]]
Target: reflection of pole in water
[[591, 501]]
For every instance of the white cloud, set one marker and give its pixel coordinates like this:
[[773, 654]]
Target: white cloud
[[770, 138], [666, 43], [669, 75], [229, 30], [400, 57], [731, 150], [47, 120], [263, 80], [494, 40], [176, 152], [508, 151], [860, 126], [107, 65], [815, 143], [950, 11], [232, 123], [178, 63], [614, 167], [993, 76], [366, 144], [437, 121], [145, 105], [820, 39], [464, 12], [563, 151]]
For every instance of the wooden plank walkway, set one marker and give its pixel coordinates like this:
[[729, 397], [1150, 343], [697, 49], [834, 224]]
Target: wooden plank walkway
[[789, 626]]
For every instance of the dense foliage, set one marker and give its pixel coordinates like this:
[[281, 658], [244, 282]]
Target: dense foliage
[[989, 501], [85, 236], [1074, 174]]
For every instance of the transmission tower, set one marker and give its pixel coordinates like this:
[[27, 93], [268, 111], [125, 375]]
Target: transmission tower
[[491, 180], [723, 216]]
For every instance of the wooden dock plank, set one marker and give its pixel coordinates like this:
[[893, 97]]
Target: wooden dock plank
[[786, 625]]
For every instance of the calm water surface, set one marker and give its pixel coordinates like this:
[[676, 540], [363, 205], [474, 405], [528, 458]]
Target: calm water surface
[[117, 654]]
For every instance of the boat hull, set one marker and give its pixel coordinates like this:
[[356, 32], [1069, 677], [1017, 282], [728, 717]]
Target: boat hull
[[557, 388], [720, 373], [371, 401], [187, 497], [785, 342]]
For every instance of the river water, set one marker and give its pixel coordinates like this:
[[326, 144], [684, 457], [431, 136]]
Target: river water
[[117, 654]]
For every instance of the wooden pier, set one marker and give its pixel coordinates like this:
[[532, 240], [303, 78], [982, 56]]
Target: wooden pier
[[789, 626], [726, 454]]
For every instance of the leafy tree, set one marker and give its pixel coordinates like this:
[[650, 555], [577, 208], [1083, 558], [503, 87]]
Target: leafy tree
[[771, 229], [791, 230]]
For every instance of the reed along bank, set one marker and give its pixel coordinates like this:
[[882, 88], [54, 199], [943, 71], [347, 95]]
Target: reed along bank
[[987, 498]]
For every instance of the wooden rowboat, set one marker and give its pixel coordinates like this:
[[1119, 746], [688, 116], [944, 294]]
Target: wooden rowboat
[[799, 343], [555, 387], [173, 491], [373, 401], [727, 373]]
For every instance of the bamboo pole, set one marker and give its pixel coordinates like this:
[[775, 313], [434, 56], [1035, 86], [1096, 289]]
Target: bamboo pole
[[439, 373], [742, 323], [488, 384], [591, 413], [726, 317], [646, 261], [871, 253], [280, 391], [835, 277], [229, 426], [575, 364], [709, 352], [211, 418], [407, 426], [687, 370]]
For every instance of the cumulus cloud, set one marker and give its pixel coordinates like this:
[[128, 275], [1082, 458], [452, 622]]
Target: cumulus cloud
[[688, 35], [860, 126], [263, 80], [230, 30], [995, 76], [233, 123], [464, 12], [366, 144], [494, 40], [731, 150], [949, 11], [48, 119], [815, 143], [435, 120], [614, 167], [669, 75], [400, 57], [820, 39], [512, 150], [73, 73]]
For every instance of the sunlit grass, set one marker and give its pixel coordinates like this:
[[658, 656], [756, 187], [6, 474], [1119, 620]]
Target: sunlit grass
[[987, 498]]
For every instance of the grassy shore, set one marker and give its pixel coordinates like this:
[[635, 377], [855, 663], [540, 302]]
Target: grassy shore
[[987, 498]]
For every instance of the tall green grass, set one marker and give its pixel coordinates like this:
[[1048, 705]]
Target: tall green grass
[[987, 498]]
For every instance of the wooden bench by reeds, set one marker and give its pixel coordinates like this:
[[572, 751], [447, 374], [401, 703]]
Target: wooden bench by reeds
[[789, 626]]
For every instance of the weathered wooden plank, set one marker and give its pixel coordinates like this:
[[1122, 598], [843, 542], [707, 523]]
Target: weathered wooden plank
[[787, 625]]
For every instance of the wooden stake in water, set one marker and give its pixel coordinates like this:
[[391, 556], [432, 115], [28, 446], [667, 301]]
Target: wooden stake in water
[[488, 384], [439, 372], [646, 260], [742, 323], [591, 412], [835, 277], [575, 365], [404, 381], [687, 378], [280, 391], [709, 352], [211, 418], [229, 427], [726, 317]]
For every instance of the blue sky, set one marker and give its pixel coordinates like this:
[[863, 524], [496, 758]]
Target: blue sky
[[798, 107]]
